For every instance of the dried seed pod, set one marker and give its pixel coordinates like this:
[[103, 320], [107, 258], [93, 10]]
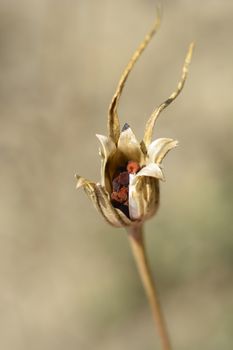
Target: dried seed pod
[[130, 171]]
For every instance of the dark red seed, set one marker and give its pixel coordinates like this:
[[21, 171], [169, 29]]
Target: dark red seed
[[123, 194], [116, 184], [114, 196], [120, 187], [124, 178], [133, 167]]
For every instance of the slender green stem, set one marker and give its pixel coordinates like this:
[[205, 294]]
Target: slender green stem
[[138, 249]]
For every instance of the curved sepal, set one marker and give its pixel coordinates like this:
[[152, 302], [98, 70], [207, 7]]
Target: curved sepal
[[151, 122], [113, 120], [100, 198]]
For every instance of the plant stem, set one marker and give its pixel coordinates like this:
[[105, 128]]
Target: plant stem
[[138, 249]]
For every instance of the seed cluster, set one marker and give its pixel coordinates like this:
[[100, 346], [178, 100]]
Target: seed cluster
[[120, 186]]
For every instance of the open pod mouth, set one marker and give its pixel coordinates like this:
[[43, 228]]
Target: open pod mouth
[[120, 182], [116, 157], [125, 173]]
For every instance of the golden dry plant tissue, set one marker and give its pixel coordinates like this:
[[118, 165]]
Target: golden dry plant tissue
[[128, 193]]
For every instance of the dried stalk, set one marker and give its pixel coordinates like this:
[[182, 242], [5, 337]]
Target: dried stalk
[[136, 239]]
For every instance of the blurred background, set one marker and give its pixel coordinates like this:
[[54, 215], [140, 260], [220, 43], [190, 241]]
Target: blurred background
[[68, 280]]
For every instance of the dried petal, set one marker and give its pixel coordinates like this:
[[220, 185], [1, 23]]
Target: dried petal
[[151, 170], [107, 150], [143, 197], [159, 148], [129, 146]]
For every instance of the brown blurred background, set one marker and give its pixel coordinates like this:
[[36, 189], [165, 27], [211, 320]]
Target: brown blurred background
[[67, 280]]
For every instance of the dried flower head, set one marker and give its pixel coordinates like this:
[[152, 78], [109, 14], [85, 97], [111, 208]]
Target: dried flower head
[[130, 171]]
